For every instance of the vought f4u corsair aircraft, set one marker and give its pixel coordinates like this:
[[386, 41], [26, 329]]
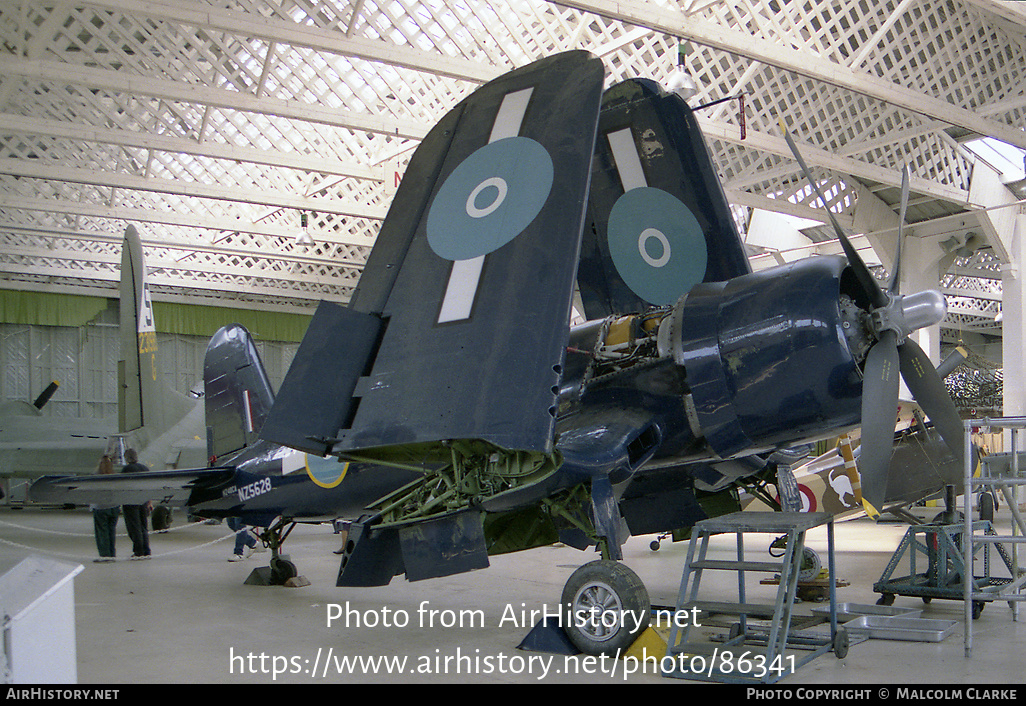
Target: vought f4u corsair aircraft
[[454, 382]]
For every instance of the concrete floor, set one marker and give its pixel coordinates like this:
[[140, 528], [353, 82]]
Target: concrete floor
[[185, 616]]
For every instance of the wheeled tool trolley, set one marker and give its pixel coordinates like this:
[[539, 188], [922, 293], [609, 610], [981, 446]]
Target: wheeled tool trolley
[[749, 654]]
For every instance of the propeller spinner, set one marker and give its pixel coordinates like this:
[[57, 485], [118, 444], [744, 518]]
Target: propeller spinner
[[891, 318]]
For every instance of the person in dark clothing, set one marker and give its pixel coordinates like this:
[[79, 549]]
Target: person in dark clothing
[[135, 515], [105, 519]]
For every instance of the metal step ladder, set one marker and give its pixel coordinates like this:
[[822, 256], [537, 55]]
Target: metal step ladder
[[999, 473], [733, 660]]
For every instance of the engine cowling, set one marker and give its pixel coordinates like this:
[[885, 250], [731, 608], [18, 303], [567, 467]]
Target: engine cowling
[[769, 356]]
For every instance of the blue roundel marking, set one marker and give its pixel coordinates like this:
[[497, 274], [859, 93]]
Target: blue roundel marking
[[490, 198], [325, 472], [656, 244]]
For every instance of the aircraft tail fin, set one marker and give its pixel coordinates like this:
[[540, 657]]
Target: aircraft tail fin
[[237, 392], [658, 222], [145, 401]]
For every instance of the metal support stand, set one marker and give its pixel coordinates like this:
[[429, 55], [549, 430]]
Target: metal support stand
[[934, 559], [732, 661], [998, 472]]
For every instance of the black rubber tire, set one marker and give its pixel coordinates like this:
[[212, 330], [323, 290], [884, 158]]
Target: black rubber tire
[[282, 570], [161, 518], [987, 507], [605, 607], [886, 599]]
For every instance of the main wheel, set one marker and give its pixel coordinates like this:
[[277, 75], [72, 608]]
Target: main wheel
[[605, 607], [161, 518]]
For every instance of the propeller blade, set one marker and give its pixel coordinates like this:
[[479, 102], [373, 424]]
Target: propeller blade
[[45, 395], [929, 391], [879, 410], [862, 273], [895, 285]]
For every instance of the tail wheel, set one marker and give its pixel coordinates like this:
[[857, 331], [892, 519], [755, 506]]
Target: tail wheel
[[605, 607], [988, 503], [811, 565], [282, 570]]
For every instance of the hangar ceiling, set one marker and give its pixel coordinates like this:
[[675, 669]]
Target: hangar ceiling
[[218, 128]]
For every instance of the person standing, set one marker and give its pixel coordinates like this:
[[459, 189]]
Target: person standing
[[245, 542], [105, 519], [135, 515]]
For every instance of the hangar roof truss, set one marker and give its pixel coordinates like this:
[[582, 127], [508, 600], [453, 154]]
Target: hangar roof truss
[[214, 126]]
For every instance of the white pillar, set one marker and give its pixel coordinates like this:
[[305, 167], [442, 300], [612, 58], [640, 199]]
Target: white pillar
[[1013, 332], [920, 270]]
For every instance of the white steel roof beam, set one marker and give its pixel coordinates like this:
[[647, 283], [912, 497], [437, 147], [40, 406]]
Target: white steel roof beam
[[331, 41], [36, 170], [169, 218], [172, 90], [166, 143], [57, 235], [818, 157], [803, 63]]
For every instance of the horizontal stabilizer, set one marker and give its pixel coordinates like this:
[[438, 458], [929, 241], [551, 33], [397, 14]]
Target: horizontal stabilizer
[[658, 221], [166, 487]]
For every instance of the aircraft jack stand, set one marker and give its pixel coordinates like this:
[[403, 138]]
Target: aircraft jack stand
[[934, 560], [934, 557]]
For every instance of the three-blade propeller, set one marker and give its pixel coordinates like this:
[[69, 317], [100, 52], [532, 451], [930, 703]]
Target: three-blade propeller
[[892, 317]]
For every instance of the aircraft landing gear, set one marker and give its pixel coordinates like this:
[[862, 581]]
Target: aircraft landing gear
[[281, 572], [605, 607], [655, 543], [161, 518]]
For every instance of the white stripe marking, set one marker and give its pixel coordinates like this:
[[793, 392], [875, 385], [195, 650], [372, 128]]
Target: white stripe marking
[[247, 411], [459, 296], [465, 275], [511, 114], [628, 163]]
